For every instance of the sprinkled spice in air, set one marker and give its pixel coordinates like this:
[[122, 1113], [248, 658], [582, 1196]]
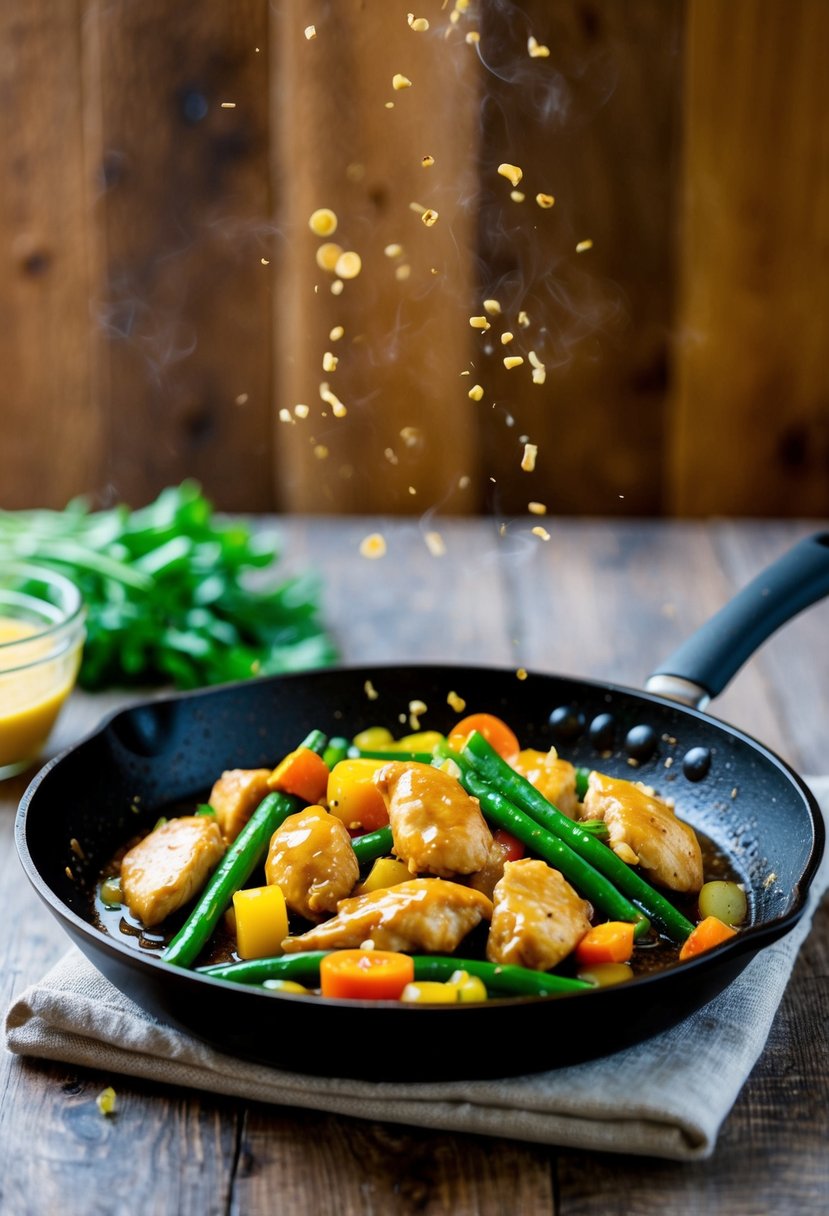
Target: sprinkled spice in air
[[329, 362], [399, 81], [528, 459], [337, 287], [506, 337], [545, 200], [511, 172], [475, 393], [419, 24], [373, 546], [402, 272], [541, 533], [455, 702], [517, 196], [537, 508], [322, 222], [336, 333], [393, 251], [106, 1101], [521, 673], [328, 255], [427, 161], [310, 32], [512, 361], [583, 246], [435, 544], [479, 323], [369, 689], [429, 217], [492, 307], [349, 265], [523, 319], [416, 711], [536, 50]]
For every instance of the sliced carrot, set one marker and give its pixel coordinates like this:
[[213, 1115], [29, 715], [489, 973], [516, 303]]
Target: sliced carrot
[[302, 773], [708, 933], [611, 942], [496, 732], [365, 975]]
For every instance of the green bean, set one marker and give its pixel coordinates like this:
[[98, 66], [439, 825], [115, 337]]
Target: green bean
[[242, 857], [336, 751], [582, 779], [379, 753], [499, 977], [498, 774], [372, 845], [584, 877]]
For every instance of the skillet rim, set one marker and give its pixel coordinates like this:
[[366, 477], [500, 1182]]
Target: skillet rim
[[749, 941]]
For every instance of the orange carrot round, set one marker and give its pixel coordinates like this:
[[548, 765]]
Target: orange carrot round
[[302, 773], [496, 732], [708, 933], [365, 975], [611, 942]]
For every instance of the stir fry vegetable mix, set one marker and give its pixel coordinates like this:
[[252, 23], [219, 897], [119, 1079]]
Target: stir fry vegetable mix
[[378, 865], [167, 592]]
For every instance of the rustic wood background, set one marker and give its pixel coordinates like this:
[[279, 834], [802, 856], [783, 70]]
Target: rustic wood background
[[160, 302]]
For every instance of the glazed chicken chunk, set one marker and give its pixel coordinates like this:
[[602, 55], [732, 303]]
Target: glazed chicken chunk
[[537, 917], [423, 914], [311, 859], [644, 831], [552, 777], [236, 795], [167, 868], [437, 828]]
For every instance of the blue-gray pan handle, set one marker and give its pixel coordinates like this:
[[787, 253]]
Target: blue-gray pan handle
[[702, 666]]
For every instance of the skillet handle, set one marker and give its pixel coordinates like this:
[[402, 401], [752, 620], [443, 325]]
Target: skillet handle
[[702, 666]]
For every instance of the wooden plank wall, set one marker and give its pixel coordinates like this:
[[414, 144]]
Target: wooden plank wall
[[162, 313]]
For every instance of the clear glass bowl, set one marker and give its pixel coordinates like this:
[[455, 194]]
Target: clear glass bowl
[[42, 633]]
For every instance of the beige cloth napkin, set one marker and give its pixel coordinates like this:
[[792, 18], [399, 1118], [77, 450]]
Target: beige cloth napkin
[[666, 1097]]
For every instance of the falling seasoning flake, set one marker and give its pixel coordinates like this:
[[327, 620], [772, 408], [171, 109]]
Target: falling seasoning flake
[[336, 333], [416, 711], [391, 455], [337, 407], [320, 451], [517, 196], [512, 361], [337, 287], [373, 546], [541, 533], [419, 24], [329, 362], [429, 217], [464, 482], [537, 508], [506, 337], [368, 688], [241, 399], [479, 323], [349, 265], [399, 81], [228, 105], [417, 207], [435, 544], [393, 251], [328, 255], [536, 50], [411, 436], [511, 172], [492, 307], [323, 222], [285, 416], [521, 673], [523, 319], [402, 272], [475, 393], [583, 246], [455, 702], [265, 261], [301, 411], [473, 38], [427, 161], [545, 200], [310, 32], [528, 459]]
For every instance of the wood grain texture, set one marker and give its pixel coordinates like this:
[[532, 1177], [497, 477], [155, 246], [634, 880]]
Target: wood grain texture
[[48, 406], [591, 601], [750, 420], [410, 423], [177, 111]]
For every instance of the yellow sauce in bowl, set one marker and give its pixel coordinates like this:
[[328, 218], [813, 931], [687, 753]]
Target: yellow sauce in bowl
[[34, 683]]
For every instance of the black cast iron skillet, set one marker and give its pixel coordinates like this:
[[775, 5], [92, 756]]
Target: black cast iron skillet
[[732, 788]]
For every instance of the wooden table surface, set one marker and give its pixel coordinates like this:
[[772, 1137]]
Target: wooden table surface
[[601, 600]]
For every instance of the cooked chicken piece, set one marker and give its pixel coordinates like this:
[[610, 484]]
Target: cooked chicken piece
[[492, 871], [537, 917], [421, 914], [167, 868], [436, 826], [311, 859], [554, 778], [235, 797], [644, 831]]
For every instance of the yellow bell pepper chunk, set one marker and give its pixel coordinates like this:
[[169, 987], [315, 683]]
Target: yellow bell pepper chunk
[[386, 872], [261, 921], [373, 739], [430, 992], [353, 797], [285, 986], [421, 741], [469, 987]]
